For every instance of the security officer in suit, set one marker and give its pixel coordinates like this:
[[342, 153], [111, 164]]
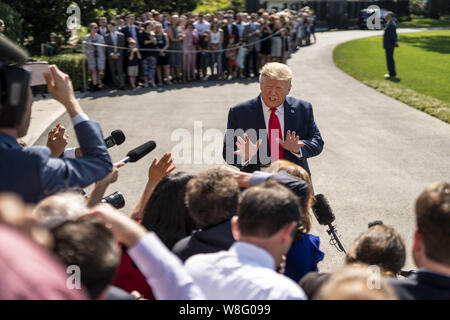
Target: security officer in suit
[[390, 41], [31, 172]]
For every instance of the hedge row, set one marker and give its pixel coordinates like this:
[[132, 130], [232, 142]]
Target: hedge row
[[70, 63]]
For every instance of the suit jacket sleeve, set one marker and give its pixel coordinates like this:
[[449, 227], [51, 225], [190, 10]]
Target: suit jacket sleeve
[[296, 185], [314, 144], [59, 174], [227, 147]]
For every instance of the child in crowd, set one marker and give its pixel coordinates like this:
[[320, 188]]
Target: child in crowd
[[133, 62], [231, 57], [243, 51]]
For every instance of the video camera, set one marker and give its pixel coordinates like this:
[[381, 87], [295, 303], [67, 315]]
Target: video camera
[[14, 83], [115, 199], [16, 76]]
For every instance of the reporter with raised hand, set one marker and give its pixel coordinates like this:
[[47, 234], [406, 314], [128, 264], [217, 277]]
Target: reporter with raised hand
[[32, 172], [164, 272]]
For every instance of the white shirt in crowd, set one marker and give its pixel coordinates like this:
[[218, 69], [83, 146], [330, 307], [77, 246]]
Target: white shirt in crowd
[[103, 31], [163, 270], [244, 272], [202, 26]]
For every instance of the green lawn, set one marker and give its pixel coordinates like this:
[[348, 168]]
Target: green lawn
[[422, 63], [420, 22]]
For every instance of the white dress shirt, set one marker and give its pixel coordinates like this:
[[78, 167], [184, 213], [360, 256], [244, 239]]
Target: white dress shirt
[[280, 114], [103, 31], [202, 26], [244, 272], [70, 152], [163, 270]]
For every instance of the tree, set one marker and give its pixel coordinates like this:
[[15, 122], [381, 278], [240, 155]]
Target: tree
[[13, 22], [41, 18], [437, 8]]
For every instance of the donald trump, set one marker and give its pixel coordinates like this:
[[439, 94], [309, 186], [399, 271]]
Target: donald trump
[[271, 126]]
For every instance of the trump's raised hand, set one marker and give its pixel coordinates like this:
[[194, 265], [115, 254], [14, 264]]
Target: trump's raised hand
[[246, 149], [292, 142]]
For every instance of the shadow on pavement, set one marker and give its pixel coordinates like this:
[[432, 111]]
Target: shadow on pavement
[[164, 88]]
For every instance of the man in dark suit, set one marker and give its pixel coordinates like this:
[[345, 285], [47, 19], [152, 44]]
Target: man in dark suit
[[130, 30], [115, 40], [390, 41], [431, 248], [103, 31], [32, 172], [252, 34], [229, 28], [271, 126]]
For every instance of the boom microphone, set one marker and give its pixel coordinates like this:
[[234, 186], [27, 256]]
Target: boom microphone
[[322, 210], [139, 152], [325, 216], [117, 137]]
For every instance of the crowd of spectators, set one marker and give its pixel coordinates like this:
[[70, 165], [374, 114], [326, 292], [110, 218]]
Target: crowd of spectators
[[157, 48]]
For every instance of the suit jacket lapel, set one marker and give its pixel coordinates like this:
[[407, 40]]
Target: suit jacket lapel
[[290, 115], [260, 123]]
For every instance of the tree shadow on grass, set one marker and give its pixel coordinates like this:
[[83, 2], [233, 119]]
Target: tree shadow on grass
[[394, 79], [439, 44]]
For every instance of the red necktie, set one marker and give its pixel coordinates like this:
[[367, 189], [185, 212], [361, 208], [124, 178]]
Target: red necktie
[[276, 150]]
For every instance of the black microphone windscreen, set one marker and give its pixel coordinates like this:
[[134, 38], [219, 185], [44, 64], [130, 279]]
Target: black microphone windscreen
[[118, 136], [322, 210], [141, 151], [10, 52]]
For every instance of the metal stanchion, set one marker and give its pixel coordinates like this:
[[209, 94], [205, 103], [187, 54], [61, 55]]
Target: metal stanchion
[[84, 75]]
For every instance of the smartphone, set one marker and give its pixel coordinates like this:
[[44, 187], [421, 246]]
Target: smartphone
[[37, 70]]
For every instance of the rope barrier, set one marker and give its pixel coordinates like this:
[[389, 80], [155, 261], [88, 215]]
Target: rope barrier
[[184, 51]]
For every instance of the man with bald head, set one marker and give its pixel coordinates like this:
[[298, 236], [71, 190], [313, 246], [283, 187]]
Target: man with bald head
[[271, 126]]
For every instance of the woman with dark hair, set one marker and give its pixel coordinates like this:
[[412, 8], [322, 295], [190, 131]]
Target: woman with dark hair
[[160, 209], [304, 254], [166, 213]]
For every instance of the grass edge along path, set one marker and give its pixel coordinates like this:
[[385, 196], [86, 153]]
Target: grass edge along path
[[430, 105]]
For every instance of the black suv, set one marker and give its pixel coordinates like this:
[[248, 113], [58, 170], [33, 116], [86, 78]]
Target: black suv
[[364, 14]]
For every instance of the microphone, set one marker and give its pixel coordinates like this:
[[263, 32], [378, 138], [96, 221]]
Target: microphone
[[139, 152], [324, 215], [117, 137], [10, 52], [322, 210]]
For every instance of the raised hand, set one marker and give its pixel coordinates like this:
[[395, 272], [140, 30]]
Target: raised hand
[[57, 140], [159, 169], [292, 142], [246, 149]]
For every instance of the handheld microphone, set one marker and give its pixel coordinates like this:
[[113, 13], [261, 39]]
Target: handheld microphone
[[117, 137], [324, 215], [139, 152]]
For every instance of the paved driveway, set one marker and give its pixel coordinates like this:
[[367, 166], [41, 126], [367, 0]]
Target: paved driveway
[[379, 153]]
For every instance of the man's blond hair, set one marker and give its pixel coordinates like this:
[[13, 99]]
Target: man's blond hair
[[276, 71]]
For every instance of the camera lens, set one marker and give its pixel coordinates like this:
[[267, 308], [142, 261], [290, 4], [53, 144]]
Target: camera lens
[[116, 200]]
